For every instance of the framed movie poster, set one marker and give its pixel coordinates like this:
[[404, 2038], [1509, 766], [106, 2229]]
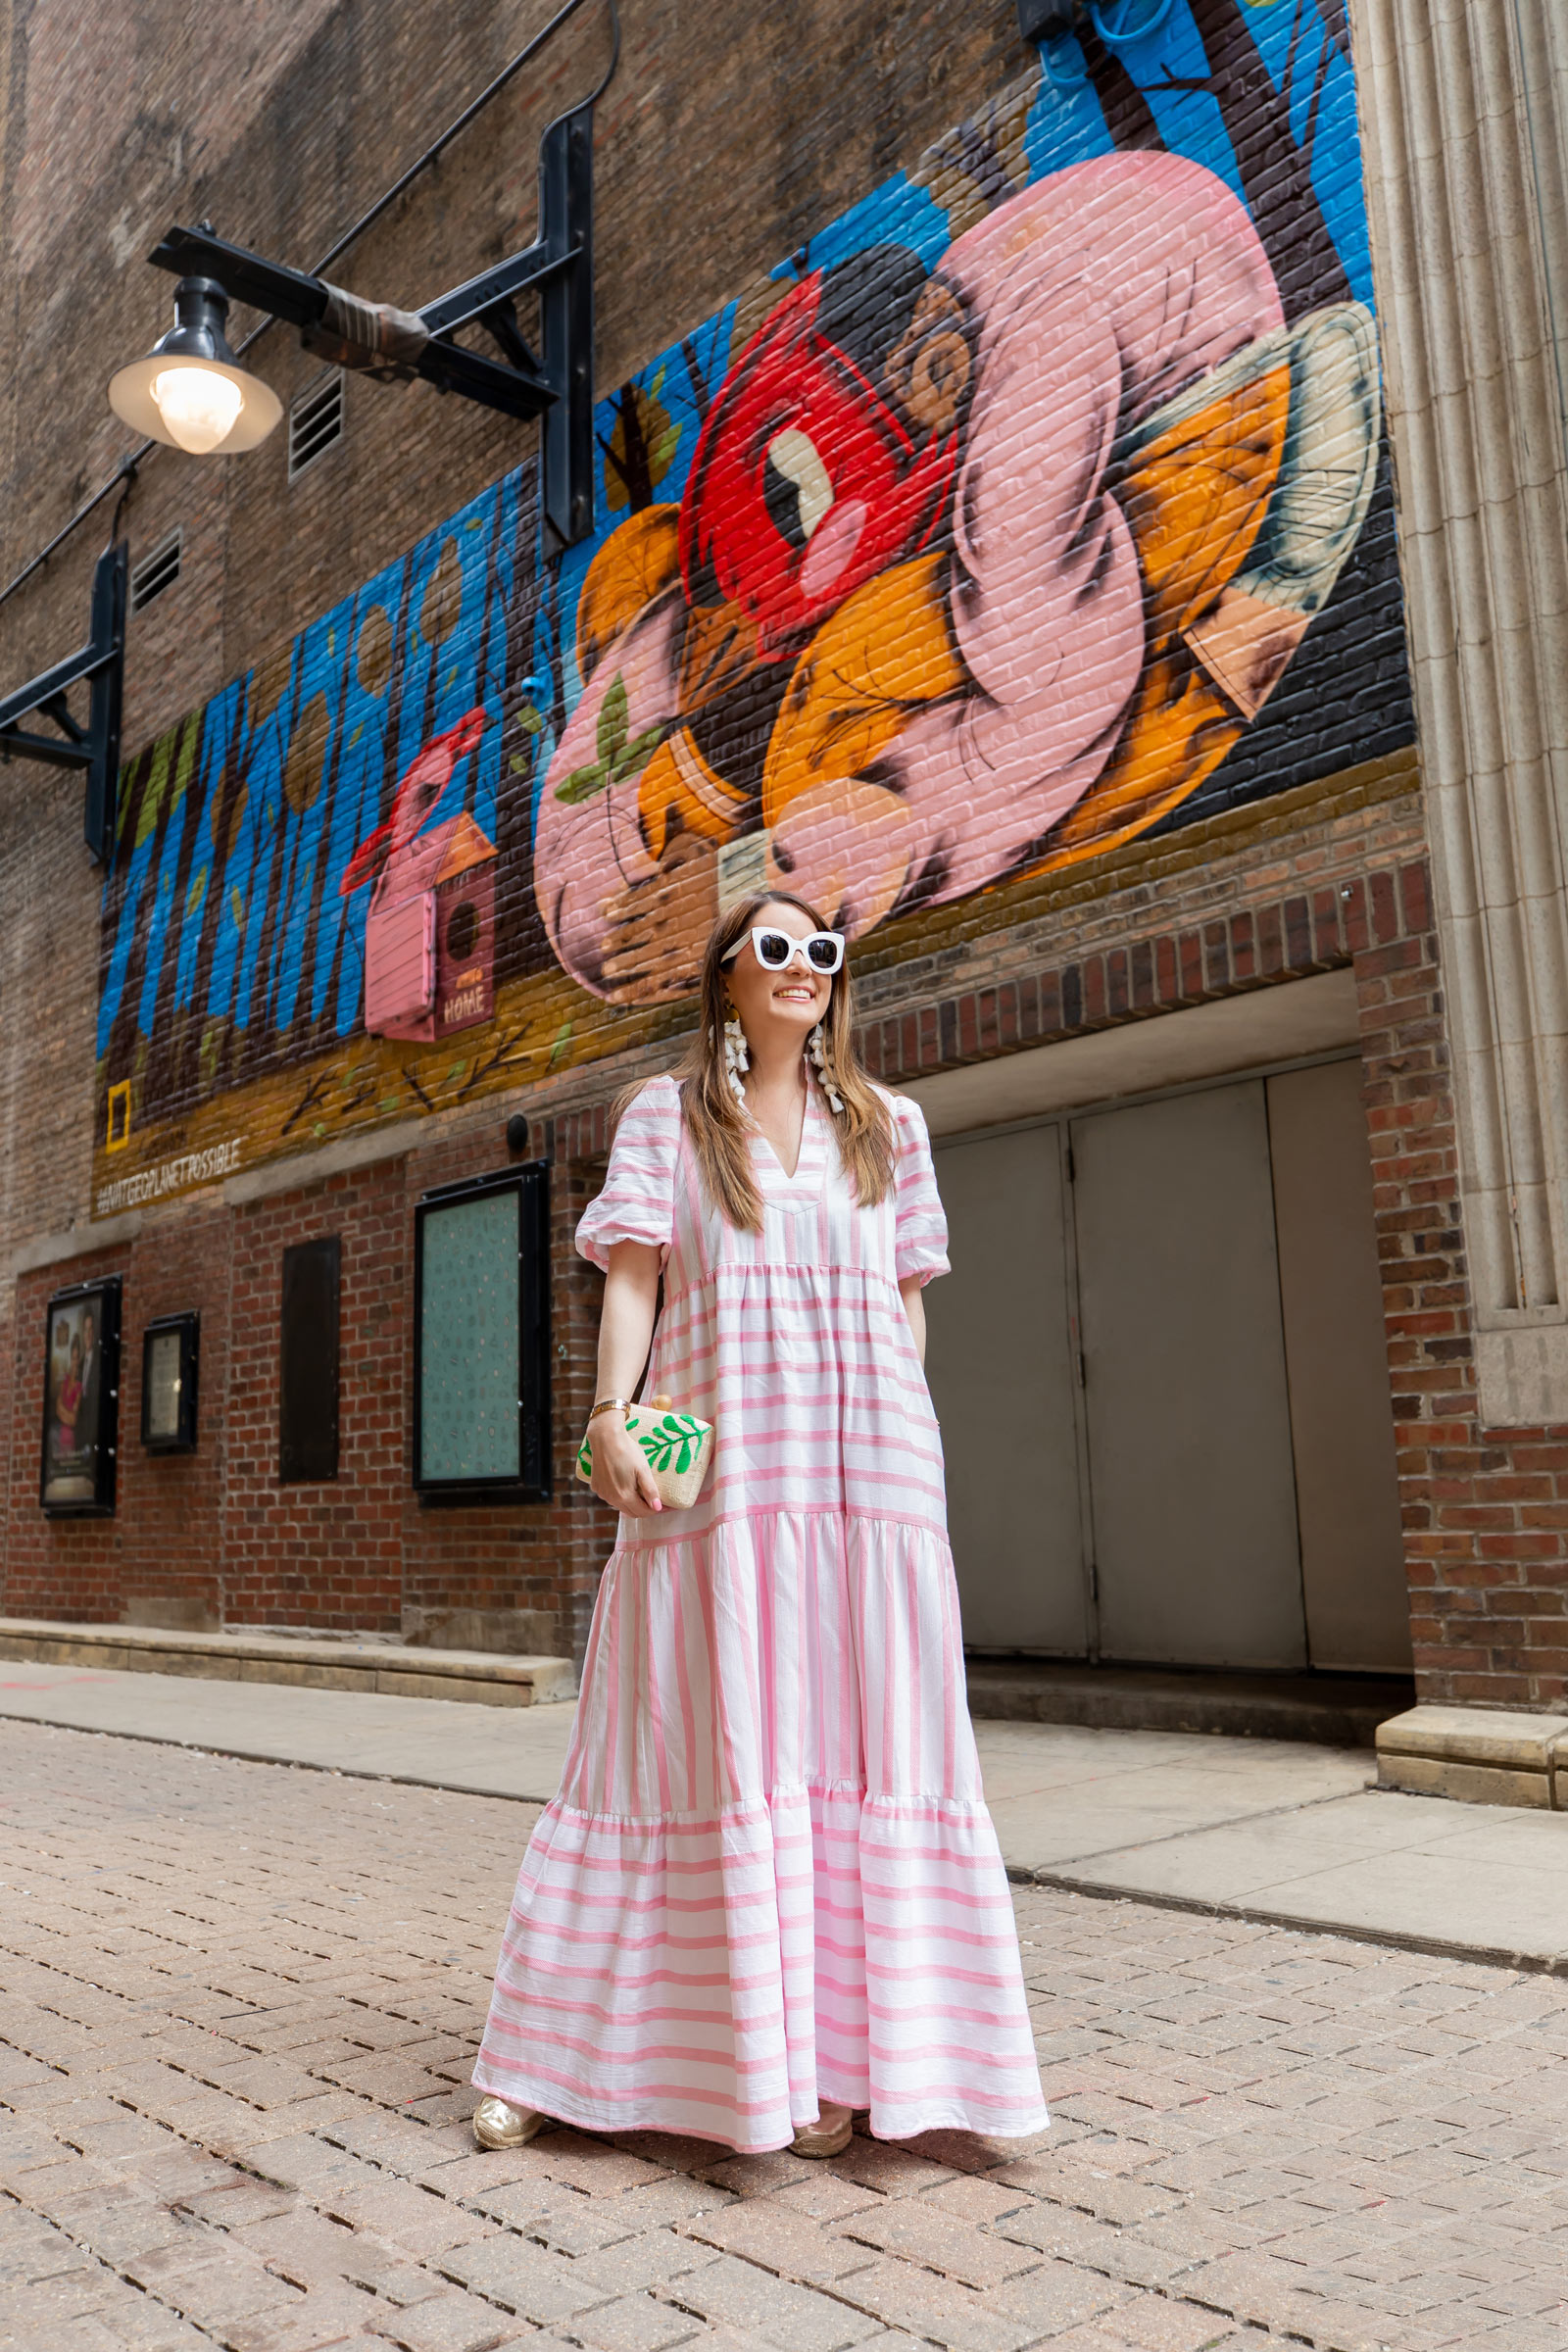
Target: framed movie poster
[[481, 1340], [81, 1400]]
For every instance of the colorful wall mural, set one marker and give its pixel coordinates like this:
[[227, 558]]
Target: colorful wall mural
[[1039, 504]]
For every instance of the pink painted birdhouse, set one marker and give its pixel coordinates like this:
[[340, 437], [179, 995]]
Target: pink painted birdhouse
[[430, 938]]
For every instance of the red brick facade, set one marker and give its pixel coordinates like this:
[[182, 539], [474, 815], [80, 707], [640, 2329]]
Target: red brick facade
[[214, 1538], [727, 140], [1486, 1510]]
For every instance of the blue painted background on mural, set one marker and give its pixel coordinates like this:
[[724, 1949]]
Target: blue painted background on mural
[[255, 921]]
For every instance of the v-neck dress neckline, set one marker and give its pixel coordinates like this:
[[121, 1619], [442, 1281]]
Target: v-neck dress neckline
[[768, 1166]]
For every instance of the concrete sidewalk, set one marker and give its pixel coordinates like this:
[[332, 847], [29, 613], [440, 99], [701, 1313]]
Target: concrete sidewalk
[[1255, 1829]]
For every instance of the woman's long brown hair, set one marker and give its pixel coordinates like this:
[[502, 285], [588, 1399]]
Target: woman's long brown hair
[[719, 1129]]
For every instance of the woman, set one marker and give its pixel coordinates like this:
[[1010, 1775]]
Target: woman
[[68, 1401], [768, 1891]]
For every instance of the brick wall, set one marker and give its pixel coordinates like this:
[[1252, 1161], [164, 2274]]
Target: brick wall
[[54, 1567], [729, 139], [725, 138], [493, 1574], [213, 1536], [328, 1554], [170, 1512], [1486, 1511]]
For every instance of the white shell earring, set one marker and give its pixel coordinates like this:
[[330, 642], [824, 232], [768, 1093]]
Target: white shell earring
[[819, 1055], [737, 1058]]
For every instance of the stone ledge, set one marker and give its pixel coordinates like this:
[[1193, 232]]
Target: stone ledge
[[478, 1677], [1329, 1711], [1481, 1755], [81, 1241]]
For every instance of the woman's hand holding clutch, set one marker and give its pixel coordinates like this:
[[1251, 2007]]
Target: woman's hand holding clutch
[[621, 1473], [676, 1452]]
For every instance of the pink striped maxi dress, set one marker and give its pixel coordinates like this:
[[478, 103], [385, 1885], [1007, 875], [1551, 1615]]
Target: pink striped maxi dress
[[770, 1876]]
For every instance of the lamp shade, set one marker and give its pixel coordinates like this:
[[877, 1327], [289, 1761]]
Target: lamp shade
[[190, 391]]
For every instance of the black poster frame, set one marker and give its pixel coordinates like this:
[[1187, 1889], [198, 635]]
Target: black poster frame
[[188, 1328], [102, 1298], [529, 1185]]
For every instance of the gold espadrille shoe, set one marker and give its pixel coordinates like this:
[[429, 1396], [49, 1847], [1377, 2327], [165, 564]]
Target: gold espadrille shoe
[[498, 2126], [829, 2136]]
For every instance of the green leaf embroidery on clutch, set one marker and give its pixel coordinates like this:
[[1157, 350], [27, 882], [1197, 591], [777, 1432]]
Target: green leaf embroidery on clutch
[[673, 1442]]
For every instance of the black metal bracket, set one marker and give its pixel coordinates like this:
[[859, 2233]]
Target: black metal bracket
[[1048, 20], [556, 385], [95, 746]]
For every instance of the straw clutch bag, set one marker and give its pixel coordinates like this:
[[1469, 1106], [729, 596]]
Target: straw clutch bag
[[679, 1448]]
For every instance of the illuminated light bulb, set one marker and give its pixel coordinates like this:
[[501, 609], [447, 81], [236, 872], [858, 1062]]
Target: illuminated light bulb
[[198, 406]]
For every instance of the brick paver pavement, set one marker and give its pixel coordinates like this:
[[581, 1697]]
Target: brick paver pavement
[[238, 2007]]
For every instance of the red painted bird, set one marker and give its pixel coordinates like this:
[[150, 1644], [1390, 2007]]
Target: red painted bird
[[425, 779]]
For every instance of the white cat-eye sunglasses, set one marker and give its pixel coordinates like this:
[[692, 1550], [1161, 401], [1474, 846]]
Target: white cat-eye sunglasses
[[775, 950]]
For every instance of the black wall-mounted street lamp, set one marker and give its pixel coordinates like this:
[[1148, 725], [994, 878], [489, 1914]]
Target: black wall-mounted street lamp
[[191, 390]]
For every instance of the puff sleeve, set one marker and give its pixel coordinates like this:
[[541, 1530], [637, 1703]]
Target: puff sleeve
[[637, 1204], [920, 1231]]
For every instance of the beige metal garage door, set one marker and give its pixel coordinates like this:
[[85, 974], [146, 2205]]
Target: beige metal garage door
[[1004, 1379], [1159, 1368]]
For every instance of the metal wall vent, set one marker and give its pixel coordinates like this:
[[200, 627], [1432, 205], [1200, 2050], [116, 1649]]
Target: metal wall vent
[[315, 422], [154, 572]]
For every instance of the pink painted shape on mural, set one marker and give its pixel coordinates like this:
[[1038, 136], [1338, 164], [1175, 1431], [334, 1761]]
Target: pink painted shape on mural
[[586, 852], [1101, 293], [400, 968]]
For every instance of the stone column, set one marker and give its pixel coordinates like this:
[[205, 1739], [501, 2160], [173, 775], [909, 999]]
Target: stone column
[[1464, 109]]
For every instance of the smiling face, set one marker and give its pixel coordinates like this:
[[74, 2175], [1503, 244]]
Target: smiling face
[[776, 1005]]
